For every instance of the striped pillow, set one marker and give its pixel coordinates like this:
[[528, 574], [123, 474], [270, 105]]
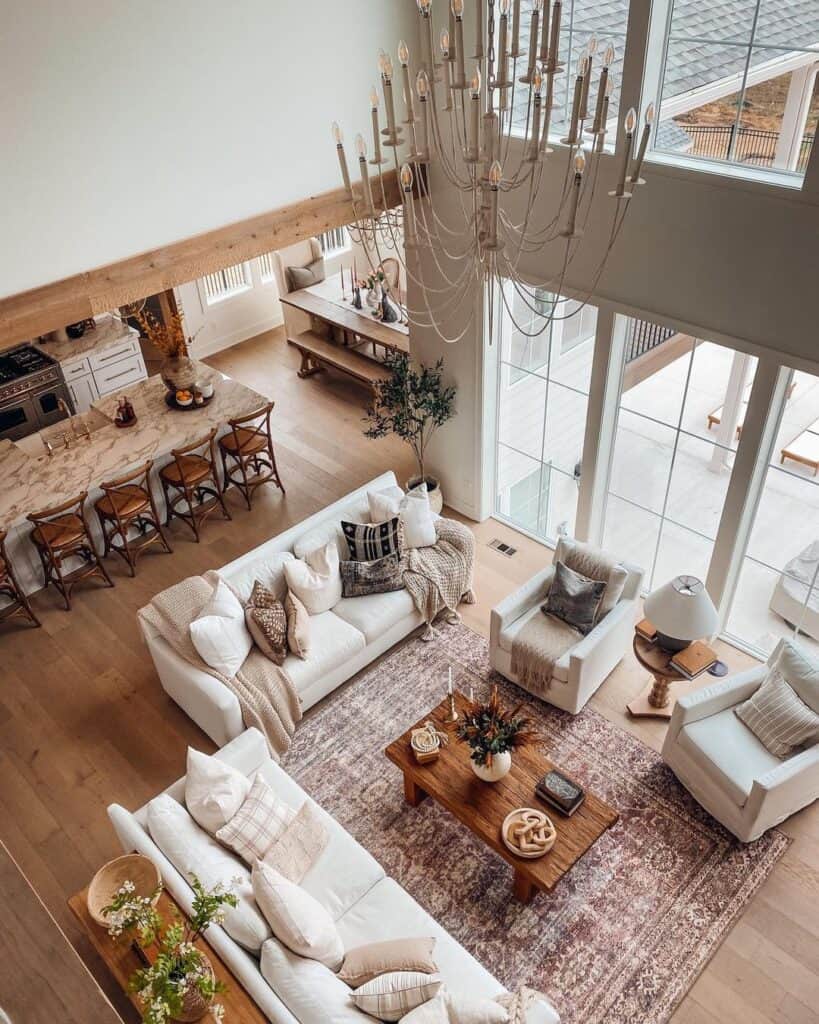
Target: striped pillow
[[258, 823], [391, 995], [369, 541], [778, 718]]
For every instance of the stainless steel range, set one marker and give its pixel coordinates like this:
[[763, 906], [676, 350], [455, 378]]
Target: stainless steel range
[[31, 386]]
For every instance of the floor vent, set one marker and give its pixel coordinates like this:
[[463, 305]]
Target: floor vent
[[503, 547]]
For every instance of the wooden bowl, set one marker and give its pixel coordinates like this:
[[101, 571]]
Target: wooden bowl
[[132, 867], [528, 833]]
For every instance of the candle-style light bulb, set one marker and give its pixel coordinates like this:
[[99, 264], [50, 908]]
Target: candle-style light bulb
[[386, 66], [504, 7], [373, 98], [495, 179], [650, 114], [610, 86], [338, 138], [583, 65], [579, 167], [422, 84], [592, 46], [458, 8], [608, 56], [424, 6], [444, 42], [630, 121], [406, 177], [403, 53], [361, 147], [579, 162], [475, 83], [495, 174], [338, 135], [537, 81]]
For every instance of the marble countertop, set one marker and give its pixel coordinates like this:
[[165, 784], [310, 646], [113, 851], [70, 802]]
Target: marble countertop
[[109, 331], [31, 481]]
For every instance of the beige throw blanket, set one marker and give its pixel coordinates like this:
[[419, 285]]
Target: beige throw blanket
[[440, 577], [265, 693], [542, 641]]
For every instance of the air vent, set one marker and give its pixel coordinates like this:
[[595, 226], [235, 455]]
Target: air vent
[[502, 546]]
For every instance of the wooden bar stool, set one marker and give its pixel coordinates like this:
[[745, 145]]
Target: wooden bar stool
[[247, 450], [128, 503], [191, 478], [9, 587], [59, 533]]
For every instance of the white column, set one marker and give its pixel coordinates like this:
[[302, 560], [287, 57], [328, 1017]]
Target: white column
[[795, 116], [731, 410]]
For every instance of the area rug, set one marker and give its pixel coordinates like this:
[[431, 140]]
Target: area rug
[[624, 935]]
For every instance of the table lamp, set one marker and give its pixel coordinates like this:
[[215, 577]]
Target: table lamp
[[681, 611]]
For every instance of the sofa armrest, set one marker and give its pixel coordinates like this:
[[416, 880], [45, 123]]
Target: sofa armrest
[[710, 700], [602, 647], [521, 600], [786, 788]]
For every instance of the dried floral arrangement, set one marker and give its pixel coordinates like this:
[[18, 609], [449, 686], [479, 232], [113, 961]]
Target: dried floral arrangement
[[489, 729], [167, 335]]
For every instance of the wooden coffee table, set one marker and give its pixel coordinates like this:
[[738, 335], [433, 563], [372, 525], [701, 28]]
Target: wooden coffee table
[[482, 806], [121, 959]]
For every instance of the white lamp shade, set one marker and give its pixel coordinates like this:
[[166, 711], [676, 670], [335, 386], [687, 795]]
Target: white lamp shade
[[682, 609]]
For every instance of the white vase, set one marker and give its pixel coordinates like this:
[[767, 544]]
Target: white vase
[[501, 765]]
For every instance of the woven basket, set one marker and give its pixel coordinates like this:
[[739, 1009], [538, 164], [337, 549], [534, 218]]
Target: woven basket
[[132, 867]]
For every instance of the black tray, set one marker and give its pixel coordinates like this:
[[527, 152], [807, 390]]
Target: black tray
[[171, 402]]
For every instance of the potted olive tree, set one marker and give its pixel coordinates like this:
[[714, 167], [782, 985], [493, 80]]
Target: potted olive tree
[[412, 403]]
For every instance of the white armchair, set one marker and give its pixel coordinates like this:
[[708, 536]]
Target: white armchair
[[725, 767], [584, 667]]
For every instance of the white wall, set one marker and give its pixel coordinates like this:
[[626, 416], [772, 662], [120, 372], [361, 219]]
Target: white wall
[[126, 126]]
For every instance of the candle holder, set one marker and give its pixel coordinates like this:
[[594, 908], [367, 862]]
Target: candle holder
[[451, 716]]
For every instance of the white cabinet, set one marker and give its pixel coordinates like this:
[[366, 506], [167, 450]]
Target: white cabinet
[[82, 391], [103, 372]]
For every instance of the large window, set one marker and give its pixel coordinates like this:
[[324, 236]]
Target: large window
[[681, 412], [543, 390], [223, 284], [738, 82]]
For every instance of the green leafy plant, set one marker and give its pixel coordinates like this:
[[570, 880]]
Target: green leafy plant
[[411, 403], [488, 729], [178, 967]]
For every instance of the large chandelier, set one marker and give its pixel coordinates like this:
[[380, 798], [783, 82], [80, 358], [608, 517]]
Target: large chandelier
[[460, 117]]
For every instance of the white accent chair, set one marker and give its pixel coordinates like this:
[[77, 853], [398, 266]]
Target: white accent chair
[[302, 254], [725, 767], [580, 672]]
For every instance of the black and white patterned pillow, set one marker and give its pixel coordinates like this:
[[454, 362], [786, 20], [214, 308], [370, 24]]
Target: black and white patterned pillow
[[574, 598], [369, 541], [377, 577]]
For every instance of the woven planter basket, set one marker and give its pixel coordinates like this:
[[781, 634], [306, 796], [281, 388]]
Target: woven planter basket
[[132, 867]]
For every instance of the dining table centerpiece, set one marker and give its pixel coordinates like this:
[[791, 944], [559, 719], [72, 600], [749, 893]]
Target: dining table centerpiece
[[178, 982], [492, 733]]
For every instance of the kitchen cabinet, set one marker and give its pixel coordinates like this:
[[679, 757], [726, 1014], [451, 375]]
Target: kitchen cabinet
[[104, 370]]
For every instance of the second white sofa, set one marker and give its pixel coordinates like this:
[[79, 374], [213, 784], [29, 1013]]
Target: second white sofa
[[355, 632]]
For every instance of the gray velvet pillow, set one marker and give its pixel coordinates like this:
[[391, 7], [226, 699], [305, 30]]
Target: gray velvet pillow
[[377, 577], [303, 277], [574, 598]]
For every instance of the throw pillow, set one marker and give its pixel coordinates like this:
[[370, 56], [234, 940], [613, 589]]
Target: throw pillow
[[258, 823], [391, 996], [778, 716], [363, 963], [595, 564], [448, 1008], [574, 598], [370, 541], [214, 790], [300, 845], [801, 672], [297, 920], [379, 577], [220, 635], [298, 626], [266, 621], [316, 580], [384, 504], [303, 277], [416, 515]]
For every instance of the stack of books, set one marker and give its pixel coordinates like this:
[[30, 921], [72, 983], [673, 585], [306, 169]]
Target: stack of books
[[560, 792], [694, 659]]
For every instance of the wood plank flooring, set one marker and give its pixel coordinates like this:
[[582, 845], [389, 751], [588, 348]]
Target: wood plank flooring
[[84, 721]]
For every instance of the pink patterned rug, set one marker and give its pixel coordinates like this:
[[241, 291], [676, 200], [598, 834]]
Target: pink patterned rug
[[625, 934]]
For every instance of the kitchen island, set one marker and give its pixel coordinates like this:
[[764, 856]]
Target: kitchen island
[[33, 480]]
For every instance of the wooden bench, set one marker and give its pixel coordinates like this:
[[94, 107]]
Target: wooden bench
[[318, 353], [804, 448]]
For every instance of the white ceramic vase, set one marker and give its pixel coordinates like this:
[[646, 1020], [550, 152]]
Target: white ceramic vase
[[501, 765]]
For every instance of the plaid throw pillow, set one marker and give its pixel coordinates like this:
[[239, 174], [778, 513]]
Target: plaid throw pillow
[[258, 823], [379, 577], [370, 541]]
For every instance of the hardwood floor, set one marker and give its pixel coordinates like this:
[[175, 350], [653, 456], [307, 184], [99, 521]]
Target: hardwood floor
[[84, 721]]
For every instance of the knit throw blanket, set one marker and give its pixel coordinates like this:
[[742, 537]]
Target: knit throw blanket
[[439, 577], [542, 641], [265, 692]]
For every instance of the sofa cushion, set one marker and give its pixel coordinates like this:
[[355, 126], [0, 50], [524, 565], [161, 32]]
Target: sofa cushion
[[267, 568], [214, 790], [724, 748], [220, 635], [193, 852], [316, 580], [363, 963], [560, 669], [345, 871], [391, 996], [374, 614], [389, 912], [309, 990], [298, 626], [332, 642]]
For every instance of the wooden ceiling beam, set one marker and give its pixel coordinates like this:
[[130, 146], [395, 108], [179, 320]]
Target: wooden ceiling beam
[[39, 310]]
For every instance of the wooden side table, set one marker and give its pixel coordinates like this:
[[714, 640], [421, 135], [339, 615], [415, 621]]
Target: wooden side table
[[121, 960], [657, 700]]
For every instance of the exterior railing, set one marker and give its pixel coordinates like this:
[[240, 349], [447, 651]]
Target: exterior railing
[[643, 336], [743, 145]]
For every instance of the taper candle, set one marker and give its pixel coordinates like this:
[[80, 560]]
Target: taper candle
[[376, 130], [403, 57], [530, 70], [342, 159], [544, 31], [554, 42], [515, 28]]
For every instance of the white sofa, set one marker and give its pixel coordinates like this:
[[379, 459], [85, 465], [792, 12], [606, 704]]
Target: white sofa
[[584, 667], [366, 905], [343, 640], [725, 767]]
